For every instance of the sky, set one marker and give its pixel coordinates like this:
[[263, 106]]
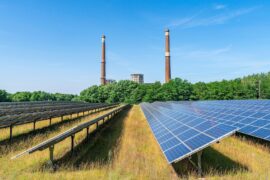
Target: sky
[[55, 46]]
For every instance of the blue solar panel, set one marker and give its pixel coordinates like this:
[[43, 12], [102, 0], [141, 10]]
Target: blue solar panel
[[252, 117], [180, 132]]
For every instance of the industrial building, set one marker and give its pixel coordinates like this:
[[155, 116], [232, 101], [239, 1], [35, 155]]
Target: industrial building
[[110, 81], [138, 78]]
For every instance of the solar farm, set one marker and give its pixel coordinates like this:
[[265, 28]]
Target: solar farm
[[169, 140]]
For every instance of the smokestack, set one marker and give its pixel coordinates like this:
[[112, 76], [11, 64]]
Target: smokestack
[[103, 65], [167, 56]]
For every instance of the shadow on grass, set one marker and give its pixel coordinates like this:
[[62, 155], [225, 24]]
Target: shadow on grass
[[255, 140], [99, 148], [213, 163], [12, 144]]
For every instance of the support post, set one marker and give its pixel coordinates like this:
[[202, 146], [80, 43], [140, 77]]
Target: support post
[[87, 132], [70, 116], [50, 121], [78, 114], [62, 118], [72, 143], [83, 113], [10, 132], [51, 148], [97, 125], [199, 155], [34, 125]]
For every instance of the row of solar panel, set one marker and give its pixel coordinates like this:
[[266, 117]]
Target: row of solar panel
[[254, 121], [181, 134], [19, 119], [71, 132]]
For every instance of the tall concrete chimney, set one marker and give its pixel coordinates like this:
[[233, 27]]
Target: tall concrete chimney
[[167, 56], [103, 62]]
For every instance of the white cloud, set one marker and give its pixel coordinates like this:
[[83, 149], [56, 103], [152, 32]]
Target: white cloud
[[201, 54], [183, 21], [213, 20], [219, 6]]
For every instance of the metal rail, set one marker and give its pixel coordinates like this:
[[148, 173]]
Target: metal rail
[[70, 133]]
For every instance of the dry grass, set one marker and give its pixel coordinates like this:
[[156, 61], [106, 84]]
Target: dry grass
[[253, 156], [126, 149], [138, 153]]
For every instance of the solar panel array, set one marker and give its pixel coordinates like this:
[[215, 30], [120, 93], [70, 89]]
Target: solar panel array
[[58, 138], [39, 107], [252, 117], [21, 113], [180, 132]]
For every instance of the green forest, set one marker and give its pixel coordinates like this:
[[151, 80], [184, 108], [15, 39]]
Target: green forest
[[35, 96], [249, 87]]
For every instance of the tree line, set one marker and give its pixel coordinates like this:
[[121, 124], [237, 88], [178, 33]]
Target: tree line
[[249, 87], [35, 96]]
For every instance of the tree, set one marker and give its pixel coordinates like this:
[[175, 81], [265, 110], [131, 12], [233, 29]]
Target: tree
[[21, 96], [4, 96], [200, 91], [175, 90], [41, 96], [152, 92], [90, 94], [64, 97], [138, 94], [121, 91]]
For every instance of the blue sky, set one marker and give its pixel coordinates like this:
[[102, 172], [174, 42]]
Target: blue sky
[[55, 46]]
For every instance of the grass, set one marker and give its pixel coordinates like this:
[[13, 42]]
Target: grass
[[125, 148]]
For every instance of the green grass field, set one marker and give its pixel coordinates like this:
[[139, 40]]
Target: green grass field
[[125, 148]]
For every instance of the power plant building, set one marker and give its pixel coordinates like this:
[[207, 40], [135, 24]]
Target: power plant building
[[138, 78], [110, 81]]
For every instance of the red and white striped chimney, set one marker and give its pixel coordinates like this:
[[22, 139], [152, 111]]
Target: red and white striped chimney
[[103, 62], [167, 56]]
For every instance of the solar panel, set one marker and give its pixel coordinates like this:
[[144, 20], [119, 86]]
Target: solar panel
[[252, 117], [54, 140], [22, 118], [181, 133]]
